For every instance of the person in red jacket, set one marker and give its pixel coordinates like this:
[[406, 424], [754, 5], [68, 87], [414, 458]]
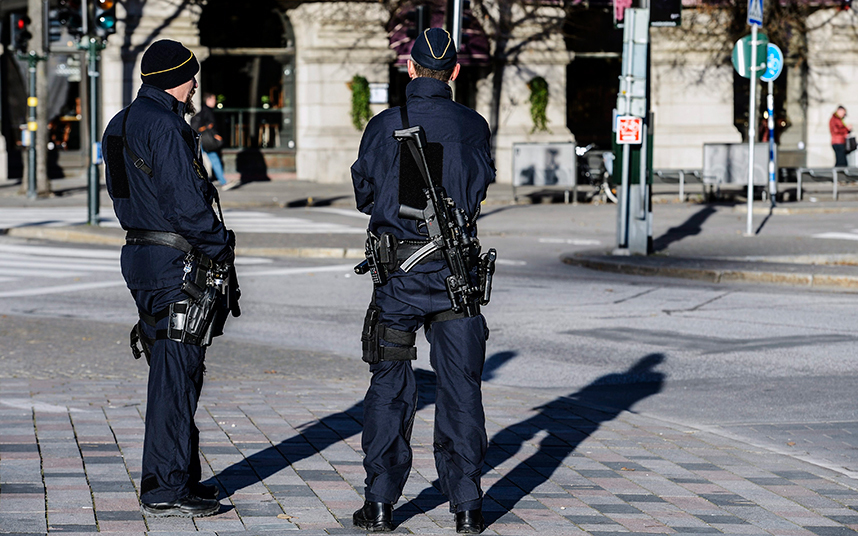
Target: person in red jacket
[[839, 131]]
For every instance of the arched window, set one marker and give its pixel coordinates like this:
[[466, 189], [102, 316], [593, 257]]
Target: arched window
[[251, 69]]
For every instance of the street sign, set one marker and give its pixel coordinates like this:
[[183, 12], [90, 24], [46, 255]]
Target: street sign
[[742, 55], [774, 63], [629, 130], [755, 13], [665, 13]]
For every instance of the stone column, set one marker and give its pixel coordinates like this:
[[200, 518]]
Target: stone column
[[4, 157], [333, 43]]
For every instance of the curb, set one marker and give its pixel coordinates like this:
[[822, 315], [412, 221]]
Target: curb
[[116, 237], [715, 275]]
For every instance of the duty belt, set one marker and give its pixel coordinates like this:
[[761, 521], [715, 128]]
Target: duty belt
[[136, 237]]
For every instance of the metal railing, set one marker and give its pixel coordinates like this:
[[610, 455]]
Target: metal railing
[[681, 175], [834, 174]]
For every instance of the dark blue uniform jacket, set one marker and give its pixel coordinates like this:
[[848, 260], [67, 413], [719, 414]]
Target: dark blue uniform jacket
[[177, 198], [468, 167]]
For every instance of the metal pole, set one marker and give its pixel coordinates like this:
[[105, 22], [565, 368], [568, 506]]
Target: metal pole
[[92, 174], [770, 105], [457, 23], [628, 56], [32, 127], [752, 130]]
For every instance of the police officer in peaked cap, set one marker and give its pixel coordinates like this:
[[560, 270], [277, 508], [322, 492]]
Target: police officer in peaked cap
[[178, 254], [459, 157]]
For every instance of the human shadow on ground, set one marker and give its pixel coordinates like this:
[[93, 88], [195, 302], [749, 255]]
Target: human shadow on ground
[[691, 227], [318, 436], [568, 421]]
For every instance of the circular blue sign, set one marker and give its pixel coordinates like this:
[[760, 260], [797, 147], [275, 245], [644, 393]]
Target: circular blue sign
[[774, 63]]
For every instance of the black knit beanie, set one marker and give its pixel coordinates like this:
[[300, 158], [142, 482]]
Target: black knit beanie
[[167, 64]]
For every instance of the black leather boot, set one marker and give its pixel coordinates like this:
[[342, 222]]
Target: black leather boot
[[190, 506], [470, 522], [205, 491], [374, 517]]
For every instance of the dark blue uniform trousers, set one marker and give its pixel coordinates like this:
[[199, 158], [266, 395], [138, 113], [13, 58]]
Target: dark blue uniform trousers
[[457, 354], [171, 461]]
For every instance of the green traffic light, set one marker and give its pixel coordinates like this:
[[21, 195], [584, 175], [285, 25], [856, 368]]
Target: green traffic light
[[106, 22]]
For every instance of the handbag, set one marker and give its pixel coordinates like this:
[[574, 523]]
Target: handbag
[[210, 141]]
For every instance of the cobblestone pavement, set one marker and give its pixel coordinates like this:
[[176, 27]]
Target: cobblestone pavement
[[285, 451]]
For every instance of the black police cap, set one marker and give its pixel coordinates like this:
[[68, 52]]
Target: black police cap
[[435, 50]]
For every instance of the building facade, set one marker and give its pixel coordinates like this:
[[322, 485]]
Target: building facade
[[282, 74]]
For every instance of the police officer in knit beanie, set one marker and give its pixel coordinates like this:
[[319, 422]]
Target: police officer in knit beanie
[[167, 64]]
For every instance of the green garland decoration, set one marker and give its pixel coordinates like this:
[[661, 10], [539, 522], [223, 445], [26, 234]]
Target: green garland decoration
[[360, 101], [538, 104]]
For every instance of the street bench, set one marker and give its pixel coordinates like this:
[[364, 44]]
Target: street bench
[[833, 174]]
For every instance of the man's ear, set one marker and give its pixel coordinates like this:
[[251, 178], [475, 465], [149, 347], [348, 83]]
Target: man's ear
[[412, 73], [456, 70]]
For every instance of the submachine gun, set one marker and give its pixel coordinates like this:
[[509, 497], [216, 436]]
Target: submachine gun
[[447, 226]]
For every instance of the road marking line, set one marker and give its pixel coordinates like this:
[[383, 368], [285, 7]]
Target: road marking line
[[60, 288], [297, 271], [837, 236], [62, 252], [572, 241]]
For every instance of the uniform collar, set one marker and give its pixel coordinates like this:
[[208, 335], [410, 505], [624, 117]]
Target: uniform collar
[[163, 98], [423, 87]]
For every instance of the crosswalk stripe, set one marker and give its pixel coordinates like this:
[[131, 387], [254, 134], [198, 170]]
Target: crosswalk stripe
[[41, 272], [837, 236], [60, 288], [245, 221], [61, 252]]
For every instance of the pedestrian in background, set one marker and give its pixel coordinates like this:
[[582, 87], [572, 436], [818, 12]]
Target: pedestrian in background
[[839, 130], [459, 157], [163, 199], [210, 141]]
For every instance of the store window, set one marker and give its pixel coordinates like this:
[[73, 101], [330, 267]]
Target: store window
[[251, 69]]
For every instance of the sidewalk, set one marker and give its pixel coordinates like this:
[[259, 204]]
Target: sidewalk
[[285, 451]]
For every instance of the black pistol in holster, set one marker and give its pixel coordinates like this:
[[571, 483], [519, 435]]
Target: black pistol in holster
[[448, 229], [212, 293], [380, 255]]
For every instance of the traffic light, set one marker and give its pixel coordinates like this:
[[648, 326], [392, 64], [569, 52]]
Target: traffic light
[[69, 14], [20, 35], [104, 17], [421, 17]]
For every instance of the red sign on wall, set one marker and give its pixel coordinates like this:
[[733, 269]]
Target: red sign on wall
[[629, 130]]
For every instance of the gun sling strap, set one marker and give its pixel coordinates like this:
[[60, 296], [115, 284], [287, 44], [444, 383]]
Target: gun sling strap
[[141, 164]]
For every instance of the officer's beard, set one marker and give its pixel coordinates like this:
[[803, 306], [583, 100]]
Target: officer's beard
[[190, 109]]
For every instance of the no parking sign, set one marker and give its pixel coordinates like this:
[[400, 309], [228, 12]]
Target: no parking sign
[[629, 130]]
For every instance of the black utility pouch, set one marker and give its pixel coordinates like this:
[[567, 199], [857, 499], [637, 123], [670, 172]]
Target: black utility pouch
[[369, 336]]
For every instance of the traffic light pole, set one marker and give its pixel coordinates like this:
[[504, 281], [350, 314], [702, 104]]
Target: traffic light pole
[[93, 47], [32, 122]]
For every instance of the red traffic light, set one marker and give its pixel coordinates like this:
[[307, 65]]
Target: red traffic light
[[21, 24]]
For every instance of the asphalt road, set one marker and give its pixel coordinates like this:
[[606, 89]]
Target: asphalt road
[[774, 366]]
